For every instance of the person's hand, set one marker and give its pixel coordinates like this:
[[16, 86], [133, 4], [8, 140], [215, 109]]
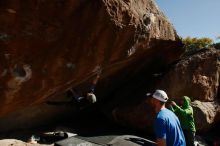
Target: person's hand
[[97, 70], [98, 76], [173, 103]]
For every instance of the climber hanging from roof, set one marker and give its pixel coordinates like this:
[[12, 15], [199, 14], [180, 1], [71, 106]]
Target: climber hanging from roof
[[81, 97], [88, 96]]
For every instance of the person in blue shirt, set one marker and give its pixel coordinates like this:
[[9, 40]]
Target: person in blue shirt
[[166, 125]]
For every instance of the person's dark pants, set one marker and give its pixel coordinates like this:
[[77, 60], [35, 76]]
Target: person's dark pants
[[189, 137]]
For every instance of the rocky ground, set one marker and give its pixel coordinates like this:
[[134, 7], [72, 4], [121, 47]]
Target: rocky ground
[[14, 142]]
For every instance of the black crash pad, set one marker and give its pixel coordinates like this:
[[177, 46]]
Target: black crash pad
[[108, 140], [74, 141]]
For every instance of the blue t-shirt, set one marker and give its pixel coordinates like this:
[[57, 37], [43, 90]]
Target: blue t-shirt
[[167, 126]]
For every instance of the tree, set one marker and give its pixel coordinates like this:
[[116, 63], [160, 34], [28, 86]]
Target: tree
[[195, 44]]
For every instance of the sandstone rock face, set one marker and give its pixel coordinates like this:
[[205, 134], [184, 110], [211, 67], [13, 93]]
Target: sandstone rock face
[[195, 76], [49, 46], [138, 116], [206, 114]]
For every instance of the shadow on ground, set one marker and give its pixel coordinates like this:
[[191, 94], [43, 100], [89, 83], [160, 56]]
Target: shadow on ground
[[89, 125]]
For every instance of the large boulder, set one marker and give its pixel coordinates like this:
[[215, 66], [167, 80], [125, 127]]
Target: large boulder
[[47, 47], [206, 114], [196, 76]]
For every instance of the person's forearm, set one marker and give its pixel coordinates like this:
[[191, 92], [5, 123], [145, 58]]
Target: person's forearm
[[181, 111], [95, 80], [171, 108], [161, 142]]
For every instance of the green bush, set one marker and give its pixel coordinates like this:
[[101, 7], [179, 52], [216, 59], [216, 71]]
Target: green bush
[[192, 45], [197, 43]]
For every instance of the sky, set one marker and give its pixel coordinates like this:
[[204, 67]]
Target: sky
[[194, 18]]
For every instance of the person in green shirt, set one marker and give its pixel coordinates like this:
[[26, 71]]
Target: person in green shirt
[[185, 115]]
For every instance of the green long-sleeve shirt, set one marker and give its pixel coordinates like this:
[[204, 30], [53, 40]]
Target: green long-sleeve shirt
[[185, 114]]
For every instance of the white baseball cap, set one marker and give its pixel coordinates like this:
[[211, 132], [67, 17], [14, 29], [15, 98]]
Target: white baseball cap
[[160, 95]]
